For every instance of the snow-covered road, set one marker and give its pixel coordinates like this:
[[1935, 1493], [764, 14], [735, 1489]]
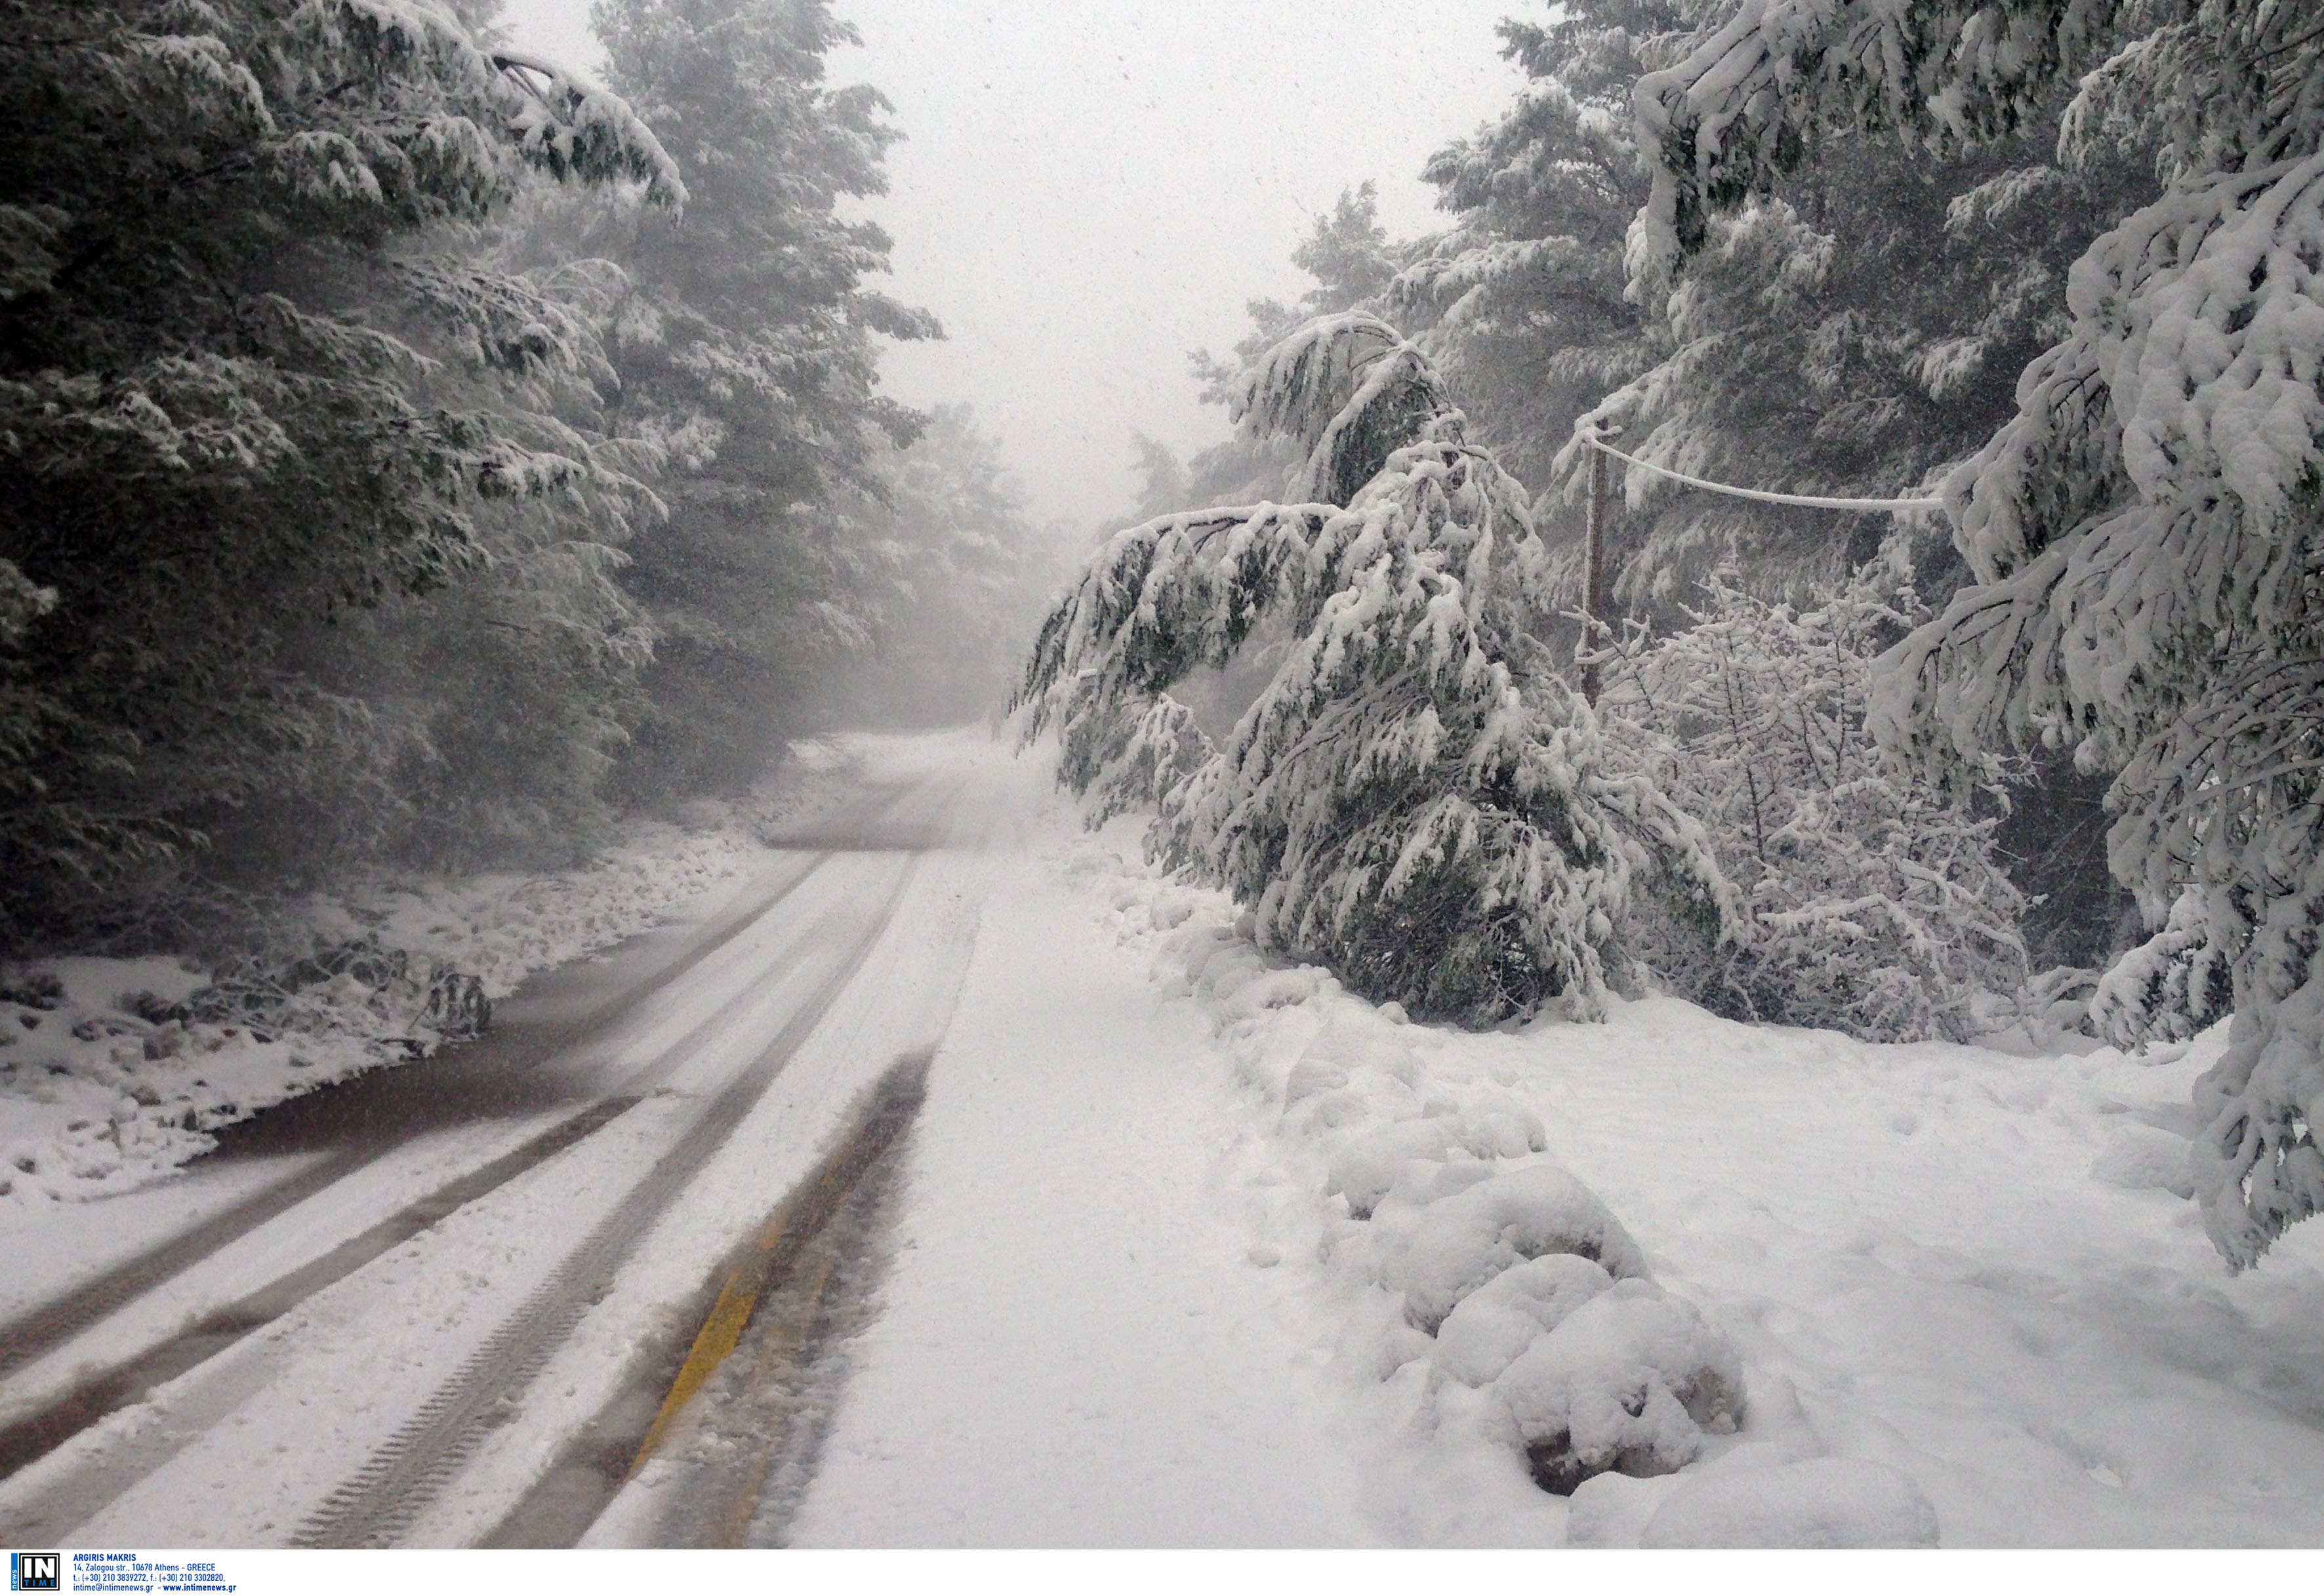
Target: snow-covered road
[[559, 1209], [1088, 1285], [1077, 1346]]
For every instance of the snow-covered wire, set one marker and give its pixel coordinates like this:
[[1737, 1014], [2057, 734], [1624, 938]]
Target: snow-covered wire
[[1808, 501]]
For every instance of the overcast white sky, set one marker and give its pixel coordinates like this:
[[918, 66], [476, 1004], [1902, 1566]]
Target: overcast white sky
[[1089, 190]]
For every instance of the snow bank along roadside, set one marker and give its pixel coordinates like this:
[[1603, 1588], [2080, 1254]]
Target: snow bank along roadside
[[1513, 1316], [114, 1071], [1917, 1291]]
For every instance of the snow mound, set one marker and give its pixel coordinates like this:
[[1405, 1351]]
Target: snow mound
[[1460, 1242], [2139, 1156], [1608, 1512], [1628, 1381], [1368, 1164], [1312, 1077], [1499, 1293], [1348, 1042], [1490, 1327], [1826, 1503]]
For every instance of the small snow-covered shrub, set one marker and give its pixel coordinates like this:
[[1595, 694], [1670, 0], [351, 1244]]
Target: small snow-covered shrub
[[2057, 1001], [2177, 983], [1411, 800], [1488, 1328], [1462, 1240], [413, 999], [1876, 905], [1628, 1382], [1521, 1284]]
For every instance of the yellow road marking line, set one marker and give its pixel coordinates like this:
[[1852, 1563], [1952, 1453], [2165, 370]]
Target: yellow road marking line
[[720, 1332], [730, 1315]]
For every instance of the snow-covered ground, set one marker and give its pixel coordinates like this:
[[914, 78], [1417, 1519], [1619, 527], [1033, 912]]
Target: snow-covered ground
[[1853, 1293], [1082, 1341]]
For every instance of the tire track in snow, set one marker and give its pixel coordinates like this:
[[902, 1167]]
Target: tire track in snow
[[760, 1370], [94, 1396], [160, 1428], [383, 1497], [43, 1328], [62, 1504], [779, 1404], [783, 1273], [52, 1324]]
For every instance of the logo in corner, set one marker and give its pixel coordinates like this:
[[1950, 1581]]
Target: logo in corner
[[35, 1570]]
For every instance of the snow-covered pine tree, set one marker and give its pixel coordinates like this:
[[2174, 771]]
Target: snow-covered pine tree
[[954, 575], [749, 339], [2145, 531], [1520, 301], [1846, 335], [245, 385], [1877, 906], [1860, 324], [1412, 801], [1140, 755], [1351, 260]]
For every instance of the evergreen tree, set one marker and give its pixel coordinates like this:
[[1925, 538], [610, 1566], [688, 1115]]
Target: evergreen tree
[[247, 383], [746, 345], [2176, 984], [2142, 531], [1859, 324], [1856, 325], [1846, 335], [1351, 260], [1521, 300], [958, 577], [1412, 798]]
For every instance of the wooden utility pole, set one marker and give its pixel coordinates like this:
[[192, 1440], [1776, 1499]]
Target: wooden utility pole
[[1593, 594]]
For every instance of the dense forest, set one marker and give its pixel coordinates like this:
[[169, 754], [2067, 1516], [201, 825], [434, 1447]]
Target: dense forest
[[417, 456]]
